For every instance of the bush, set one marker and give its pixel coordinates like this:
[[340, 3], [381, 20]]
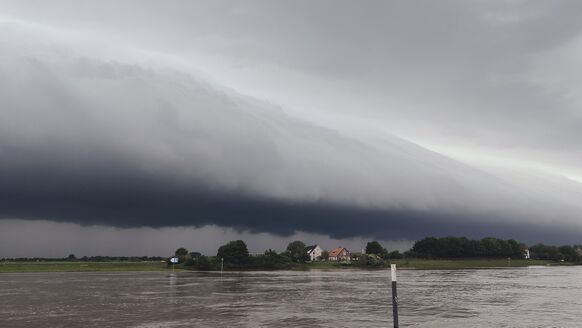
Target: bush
[[370, 260], [270, 260], [394, 255], [202, 263]]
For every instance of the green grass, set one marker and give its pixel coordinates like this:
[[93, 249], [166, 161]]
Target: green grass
[[80, 266], [441, 264], [328, 265], [466, 263], [420, 264]]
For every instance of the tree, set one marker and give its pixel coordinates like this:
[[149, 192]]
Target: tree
[[544, 252], [271, 260], [492, 247], [324, 255], [455, 247], [570, 253], [71, 257], [516, 251], [374, 247], [202, 263], [297, 252], [425, 247], [234, 252], [181, 252], [270, 252], [394, 255]]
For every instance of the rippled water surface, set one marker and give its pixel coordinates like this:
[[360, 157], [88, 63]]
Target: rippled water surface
[[524, 297]]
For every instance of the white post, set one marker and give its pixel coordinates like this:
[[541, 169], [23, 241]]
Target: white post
[[221, 265], [394, 295]]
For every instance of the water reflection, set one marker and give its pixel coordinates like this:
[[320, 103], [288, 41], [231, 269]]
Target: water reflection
[[527, 297]]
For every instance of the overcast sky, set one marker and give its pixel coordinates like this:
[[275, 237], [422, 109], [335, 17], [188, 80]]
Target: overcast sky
[[150, 125]]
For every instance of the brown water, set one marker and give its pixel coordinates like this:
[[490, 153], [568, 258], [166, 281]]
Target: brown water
[[525, 297]]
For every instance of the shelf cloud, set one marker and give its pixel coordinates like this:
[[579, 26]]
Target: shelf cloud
[[133, 130]]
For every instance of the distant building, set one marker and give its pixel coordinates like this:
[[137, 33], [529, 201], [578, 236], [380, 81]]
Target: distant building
[[526, 254], [314, 252], [340, 254]]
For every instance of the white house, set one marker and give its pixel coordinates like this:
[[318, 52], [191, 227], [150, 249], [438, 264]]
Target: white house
[[526, 254], [314, 252], [340, 254]]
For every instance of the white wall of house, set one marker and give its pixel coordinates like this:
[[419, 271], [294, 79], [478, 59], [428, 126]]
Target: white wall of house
[[315, 253]]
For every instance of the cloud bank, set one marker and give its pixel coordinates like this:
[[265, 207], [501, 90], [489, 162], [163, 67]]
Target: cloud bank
[[53, 239], [102, 132]]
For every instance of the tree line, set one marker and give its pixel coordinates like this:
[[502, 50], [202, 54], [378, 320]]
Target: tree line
[[235, 254], [562, 253], [461, 247]]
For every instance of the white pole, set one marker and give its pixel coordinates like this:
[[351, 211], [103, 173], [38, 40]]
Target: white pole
[[221, 265], [394, 295]]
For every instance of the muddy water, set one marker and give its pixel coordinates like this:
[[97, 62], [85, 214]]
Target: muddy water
[[525, 297]]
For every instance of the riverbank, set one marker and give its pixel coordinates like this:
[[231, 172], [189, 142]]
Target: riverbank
[[468, 263], [6, 267], [441, 264], [413, 264]]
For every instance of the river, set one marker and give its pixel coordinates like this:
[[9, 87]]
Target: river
[[519, 297]]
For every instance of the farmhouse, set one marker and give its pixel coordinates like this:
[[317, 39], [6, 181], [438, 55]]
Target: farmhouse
[[340, 254], [314, 252]]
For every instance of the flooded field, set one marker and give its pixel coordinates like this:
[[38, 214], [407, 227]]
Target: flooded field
[[524, 297]]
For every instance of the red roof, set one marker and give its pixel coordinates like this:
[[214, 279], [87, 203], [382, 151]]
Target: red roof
[[337, 251]]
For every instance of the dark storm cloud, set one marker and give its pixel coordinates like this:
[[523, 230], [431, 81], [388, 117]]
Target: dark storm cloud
[[97, 129], [117, 196]]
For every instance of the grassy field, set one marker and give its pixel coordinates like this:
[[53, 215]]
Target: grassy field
[[466, 263], [420, 264], [80, 266], [423, 264]]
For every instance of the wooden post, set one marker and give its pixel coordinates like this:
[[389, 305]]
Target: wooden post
[[394, 295]]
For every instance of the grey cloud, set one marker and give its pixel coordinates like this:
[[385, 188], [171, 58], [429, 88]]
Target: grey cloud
[[103, 136], [53, 239], [464, 72]]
